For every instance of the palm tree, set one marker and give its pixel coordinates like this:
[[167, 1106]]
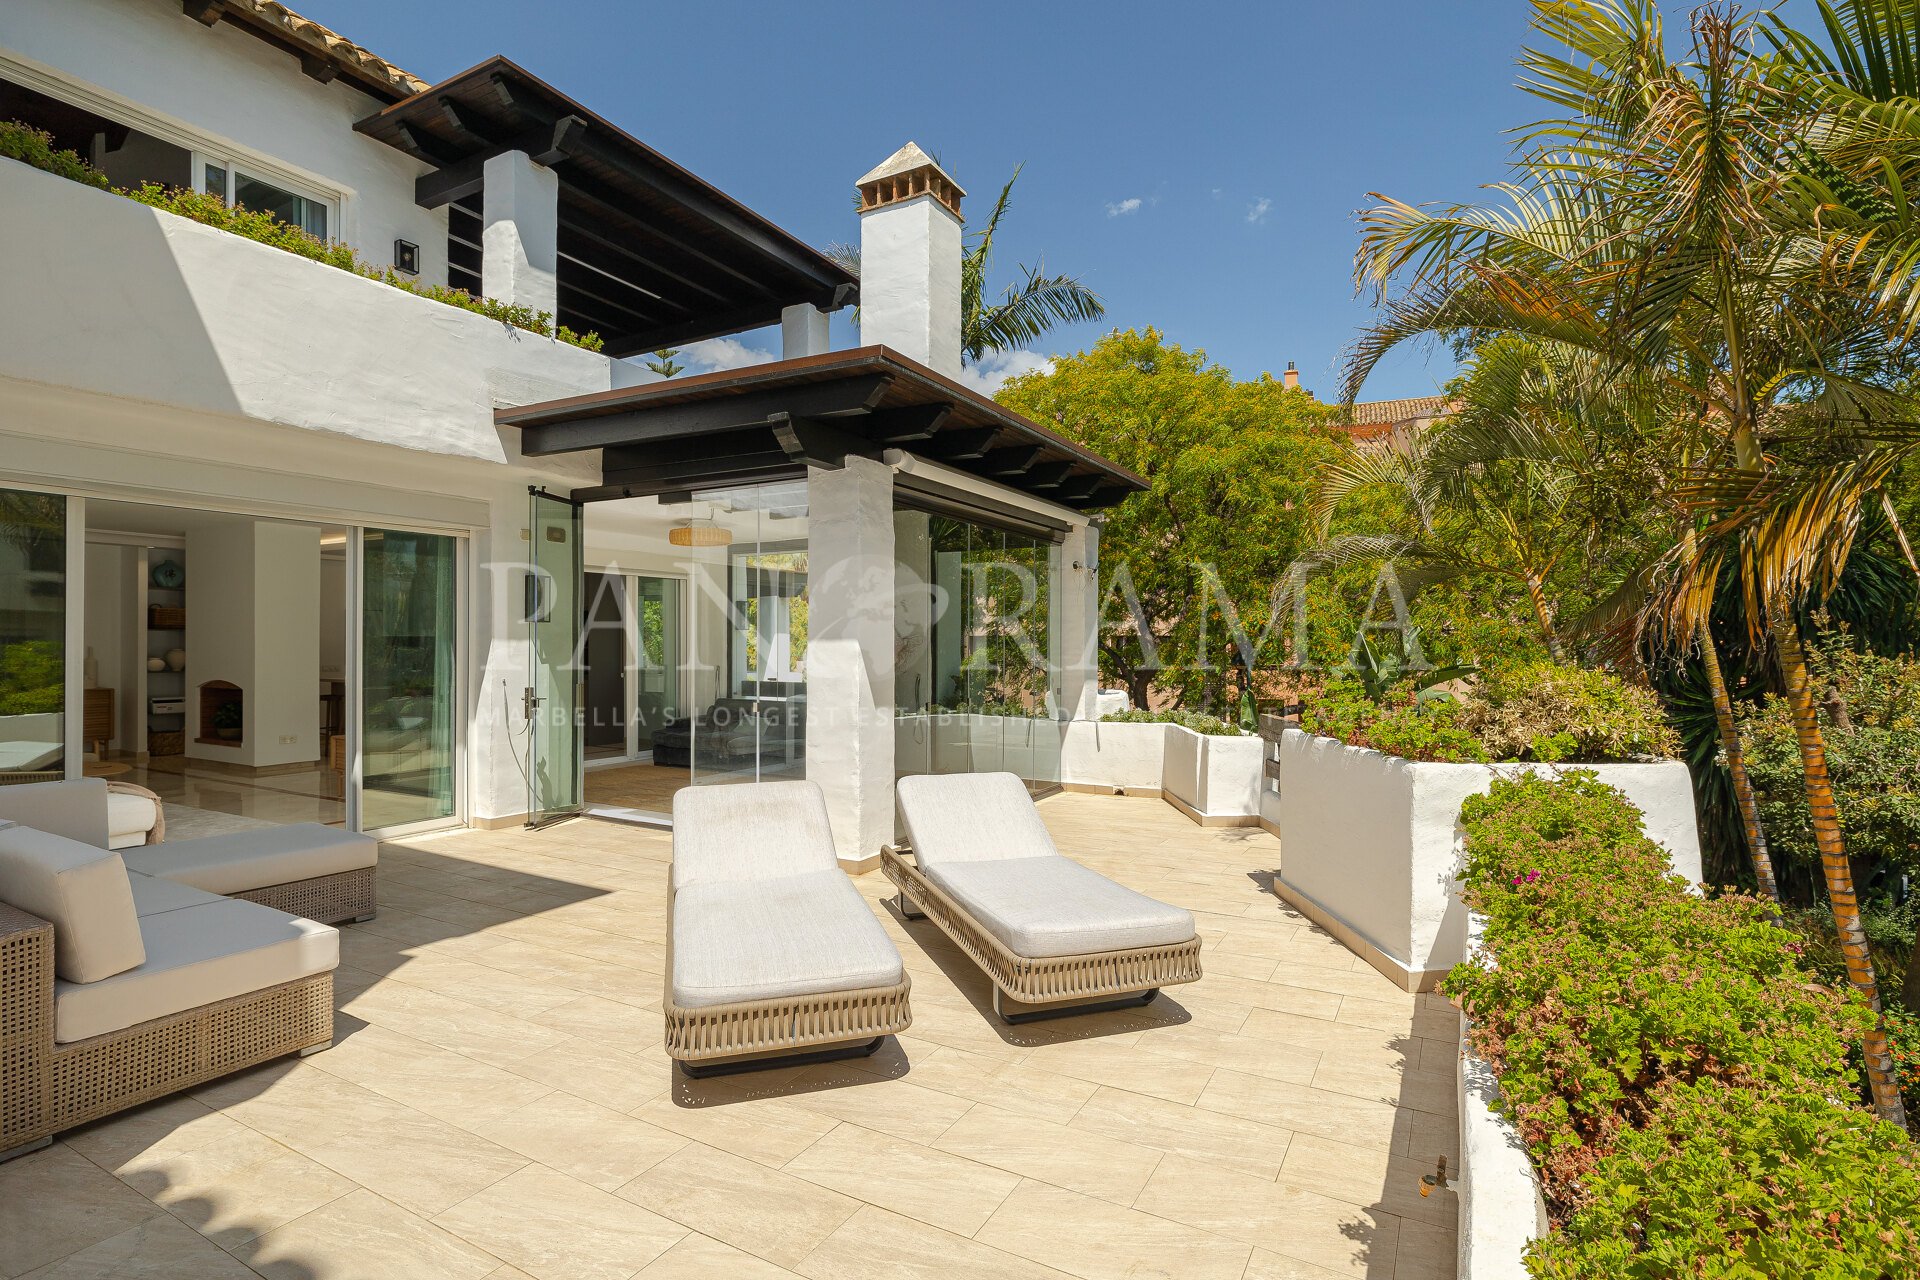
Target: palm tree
[[1025, 311], [1676, 219]]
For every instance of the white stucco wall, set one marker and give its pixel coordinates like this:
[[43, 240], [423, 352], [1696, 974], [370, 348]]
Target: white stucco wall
[[136, 303], [910, 282], [195, 85], [1375, 840], [1216, 776], [1501, 1208]]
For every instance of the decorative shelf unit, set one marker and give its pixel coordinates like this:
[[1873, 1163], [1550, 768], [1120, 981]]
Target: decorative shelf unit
[[163, 621]]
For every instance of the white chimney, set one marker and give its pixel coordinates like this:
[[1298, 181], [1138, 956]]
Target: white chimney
[[910, 260]]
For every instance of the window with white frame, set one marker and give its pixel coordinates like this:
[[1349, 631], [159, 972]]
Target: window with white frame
[[233, 183]]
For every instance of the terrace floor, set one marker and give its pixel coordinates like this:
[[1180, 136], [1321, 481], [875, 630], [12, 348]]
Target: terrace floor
[[497, 1104]]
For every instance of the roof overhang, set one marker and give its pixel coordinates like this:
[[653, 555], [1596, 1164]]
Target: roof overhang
[[324, 55], [770, 421], [650, 255]]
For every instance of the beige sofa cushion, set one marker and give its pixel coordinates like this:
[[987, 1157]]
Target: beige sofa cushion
[[76, 810], [197, 955], [129, 818], [245, 860], [81, 890], [152, 895]]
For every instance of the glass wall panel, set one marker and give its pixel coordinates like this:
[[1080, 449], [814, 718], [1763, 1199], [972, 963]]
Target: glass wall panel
[[33, 622], [409, 677], [975, 687], [750, 622], [661, 638]]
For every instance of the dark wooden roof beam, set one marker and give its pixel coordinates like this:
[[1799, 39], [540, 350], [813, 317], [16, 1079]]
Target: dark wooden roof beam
[[545, 144], [1011, 461], [847, 396], [961, 445], [592, 247], [817, 443], [1077, 488], [1047, 475], [315, 67], [582, 190], [907, 424], [464, 120], [204, 12]]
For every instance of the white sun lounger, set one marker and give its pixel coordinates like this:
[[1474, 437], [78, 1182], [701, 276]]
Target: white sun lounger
[[1044, 928], [772, 954]]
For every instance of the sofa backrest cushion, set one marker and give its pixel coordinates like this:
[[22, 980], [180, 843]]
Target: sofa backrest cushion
[[971, 817], [750, 831], [76, 810], [82, 891]]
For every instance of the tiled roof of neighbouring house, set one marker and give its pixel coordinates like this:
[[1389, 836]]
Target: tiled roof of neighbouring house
[[1387, 412]]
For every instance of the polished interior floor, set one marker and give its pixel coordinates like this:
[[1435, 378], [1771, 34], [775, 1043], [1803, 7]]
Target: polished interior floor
[[309, 795], [497, 1104]]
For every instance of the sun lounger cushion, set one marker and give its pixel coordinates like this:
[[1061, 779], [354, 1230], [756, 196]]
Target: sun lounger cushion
[[1053, 906], [81, 890], [245, 860], [76, 809], [793, 935], [757, 831], [971, 817], [196, 954]]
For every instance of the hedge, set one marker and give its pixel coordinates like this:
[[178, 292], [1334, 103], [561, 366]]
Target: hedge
[[1682, 1082]]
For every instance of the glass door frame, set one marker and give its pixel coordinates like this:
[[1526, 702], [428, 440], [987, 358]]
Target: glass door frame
[[534, 574], [631, 625], [462, 711]]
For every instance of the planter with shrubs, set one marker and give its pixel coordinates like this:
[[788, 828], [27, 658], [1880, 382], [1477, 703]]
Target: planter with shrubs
[[1207, 768], [1371, 788], [1687, 1090]]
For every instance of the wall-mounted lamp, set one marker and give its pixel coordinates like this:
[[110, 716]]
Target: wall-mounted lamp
[[406, 257]]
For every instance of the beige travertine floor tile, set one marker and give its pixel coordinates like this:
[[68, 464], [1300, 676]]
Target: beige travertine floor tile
[[770, 1214], [1430, 1091], [54, 1202], [1289, 1220], [610, 1023], [1237, 1051], [1368, 1177], [770, 1130], [1229, 1141], [599, 1146], [466, 1028], [1303, 1109], [938, 1188], [877, 1245], [1121, 1066], [1017, 1087], [1100, 1241], [888, 1104], [161, 1248], [449, 1086], [1079, 1160], [1267, 1265], [236, 1188], [558, 1228], [1427, 1252], [167, 1127], [701, 1257], [586, 1069], [363, 1237]]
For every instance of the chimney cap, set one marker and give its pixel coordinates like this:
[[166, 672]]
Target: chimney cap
[[906, 175]]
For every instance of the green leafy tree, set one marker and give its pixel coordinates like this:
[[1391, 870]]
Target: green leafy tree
[[1231, 467]]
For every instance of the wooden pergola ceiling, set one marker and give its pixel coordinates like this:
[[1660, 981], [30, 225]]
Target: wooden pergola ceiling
[[766, 422], [650, 255]]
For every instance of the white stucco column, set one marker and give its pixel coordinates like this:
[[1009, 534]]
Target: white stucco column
[[850, 653], [520, 233], [803, 331], [910, 248], [1077, 619]]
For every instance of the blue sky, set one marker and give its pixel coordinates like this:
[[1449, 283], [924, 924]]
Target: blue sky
[[1198, 164]]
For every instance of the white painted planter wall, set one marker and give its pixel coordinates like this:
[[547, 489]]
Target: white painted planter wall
[[1217, 777], [1373, 843], [1501, 1208]]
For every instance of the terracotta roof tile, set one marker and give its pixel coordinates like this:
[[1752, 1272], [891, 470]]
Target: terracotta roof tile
[[1391, 411], [329, 44]]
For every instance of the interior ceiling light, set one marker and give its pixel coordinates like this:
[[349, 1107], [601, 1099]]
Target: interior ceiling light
[[699, 533]]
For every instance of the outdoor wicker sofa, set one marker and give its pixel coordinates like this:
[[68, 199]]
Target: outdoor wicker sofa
[[117, 987], [773, 957], [306, 868], [1047, 931]]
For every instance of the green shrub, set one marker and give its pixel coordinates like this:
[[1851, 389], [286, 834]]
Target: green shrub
[[254, 224], [1400, 722], [1874, 762], [1211, 725], [34, 146], [1735, 1182], [1554, 711], [1680, 1081]]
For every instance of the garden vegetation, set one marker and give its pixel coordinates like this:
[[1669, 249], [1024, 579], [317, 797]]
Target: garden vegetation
[[1689, 1092]]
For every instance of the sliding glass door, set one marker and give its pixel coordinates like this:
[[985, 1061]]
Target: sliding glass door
[[410, 703], [33, 636], [556, 674], [660, 627]]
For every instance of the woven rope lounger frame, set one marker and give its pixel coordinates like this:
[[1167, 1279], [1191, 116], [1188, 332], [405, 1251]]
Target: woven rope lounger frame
[[1090, 981], [46, 1087], [720, 1039], [335, 899]]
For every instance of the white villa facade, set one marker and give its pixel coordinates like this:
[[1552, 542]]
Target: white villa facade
[[434, 567]]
